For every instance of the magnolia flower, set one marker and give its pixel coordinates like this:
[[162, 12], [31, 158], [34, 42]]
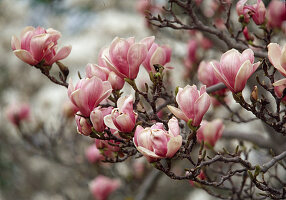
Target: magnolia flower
[[235, 68], [155, 142], [157, 55], [210, 132], [37, 45], [279, 87], [207, 76], [88, 93], [101, 187], [18, 112], [256, 11], [97, 116], [124, 56], [242, 11], [193, 104], [93, 154], [122, 118], [277, 57], [83, 124]]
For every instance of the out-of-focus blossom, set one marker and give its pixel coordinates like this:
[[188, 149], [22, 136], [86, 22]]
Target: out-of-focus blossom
[[247, 35], [93, 154], [155, 142], [101, 187], [122, 118], [37, 45], [235, 69], [210, 131], [124, 56], [276, 13], [193, 104], [192, 48], [207, 76], [18, 112], [69, 109], [157, 55], [201, 176], [97, 116], [88, 93], [242, 11], [279, 87], [138, 167], [83, 124], [277, 57], [258, 11], [220, 23]]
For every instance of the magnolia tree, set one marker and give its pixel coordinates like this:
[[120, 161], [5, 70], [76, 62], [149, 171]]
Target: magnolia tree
[[167, 124]]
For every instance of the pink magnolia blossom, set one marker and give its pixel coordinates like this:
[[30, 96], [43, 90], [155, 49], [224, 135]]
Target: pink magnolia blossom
[[101, 187], [256, 11], [247, 35], [97, 116], [37, 45], [157, 55], [155, 142], [277, 57], [210, 132], [207, 76], [235, 68], [192, 48], [193, 104], [276, 13], [124, 56], [18, 112], [116, 82], [279, 87], [83, 124], [88, 93], [93, 154], [242, 11], [122, 118]]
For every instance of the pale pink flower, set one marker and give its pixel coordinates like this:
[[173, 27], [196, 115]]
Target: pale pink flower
[[157, 55], [155, 142], [101, 187], [207, 76], [235, 68], [122, 118], [193, 104], [93, 154], [276, 13], [97, 116], [124, 56], [277, 57], [242, 10], [83, 124], [88, 93], [37, 45], [258, 12], [18, 112], [210, 131], [279, 87]]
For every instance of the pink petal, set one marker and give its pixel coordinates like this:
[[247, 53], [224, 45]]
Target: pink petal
[[201, 107], [158, 57], [15, 43], [25, 56], [174, 145], [125, 123], [108, 122], [136, 55], [62, 53], [242, 76], [137, 132], [178, 113], [148, 41], [274, 55], [174, 128]]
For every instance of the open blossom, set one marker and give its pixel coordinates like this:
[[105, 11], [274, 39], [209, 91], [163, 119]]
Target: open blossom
[[18, 112], [235, 68], [88, 93], [276, 13], [279, 87], [93, 154], [122, 118], [207, 76], [125, 56], [155, 142], [37, 45], [97, 116], [211, 131], [157, 55], [193, 104], [101, 187], [277, 57]]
